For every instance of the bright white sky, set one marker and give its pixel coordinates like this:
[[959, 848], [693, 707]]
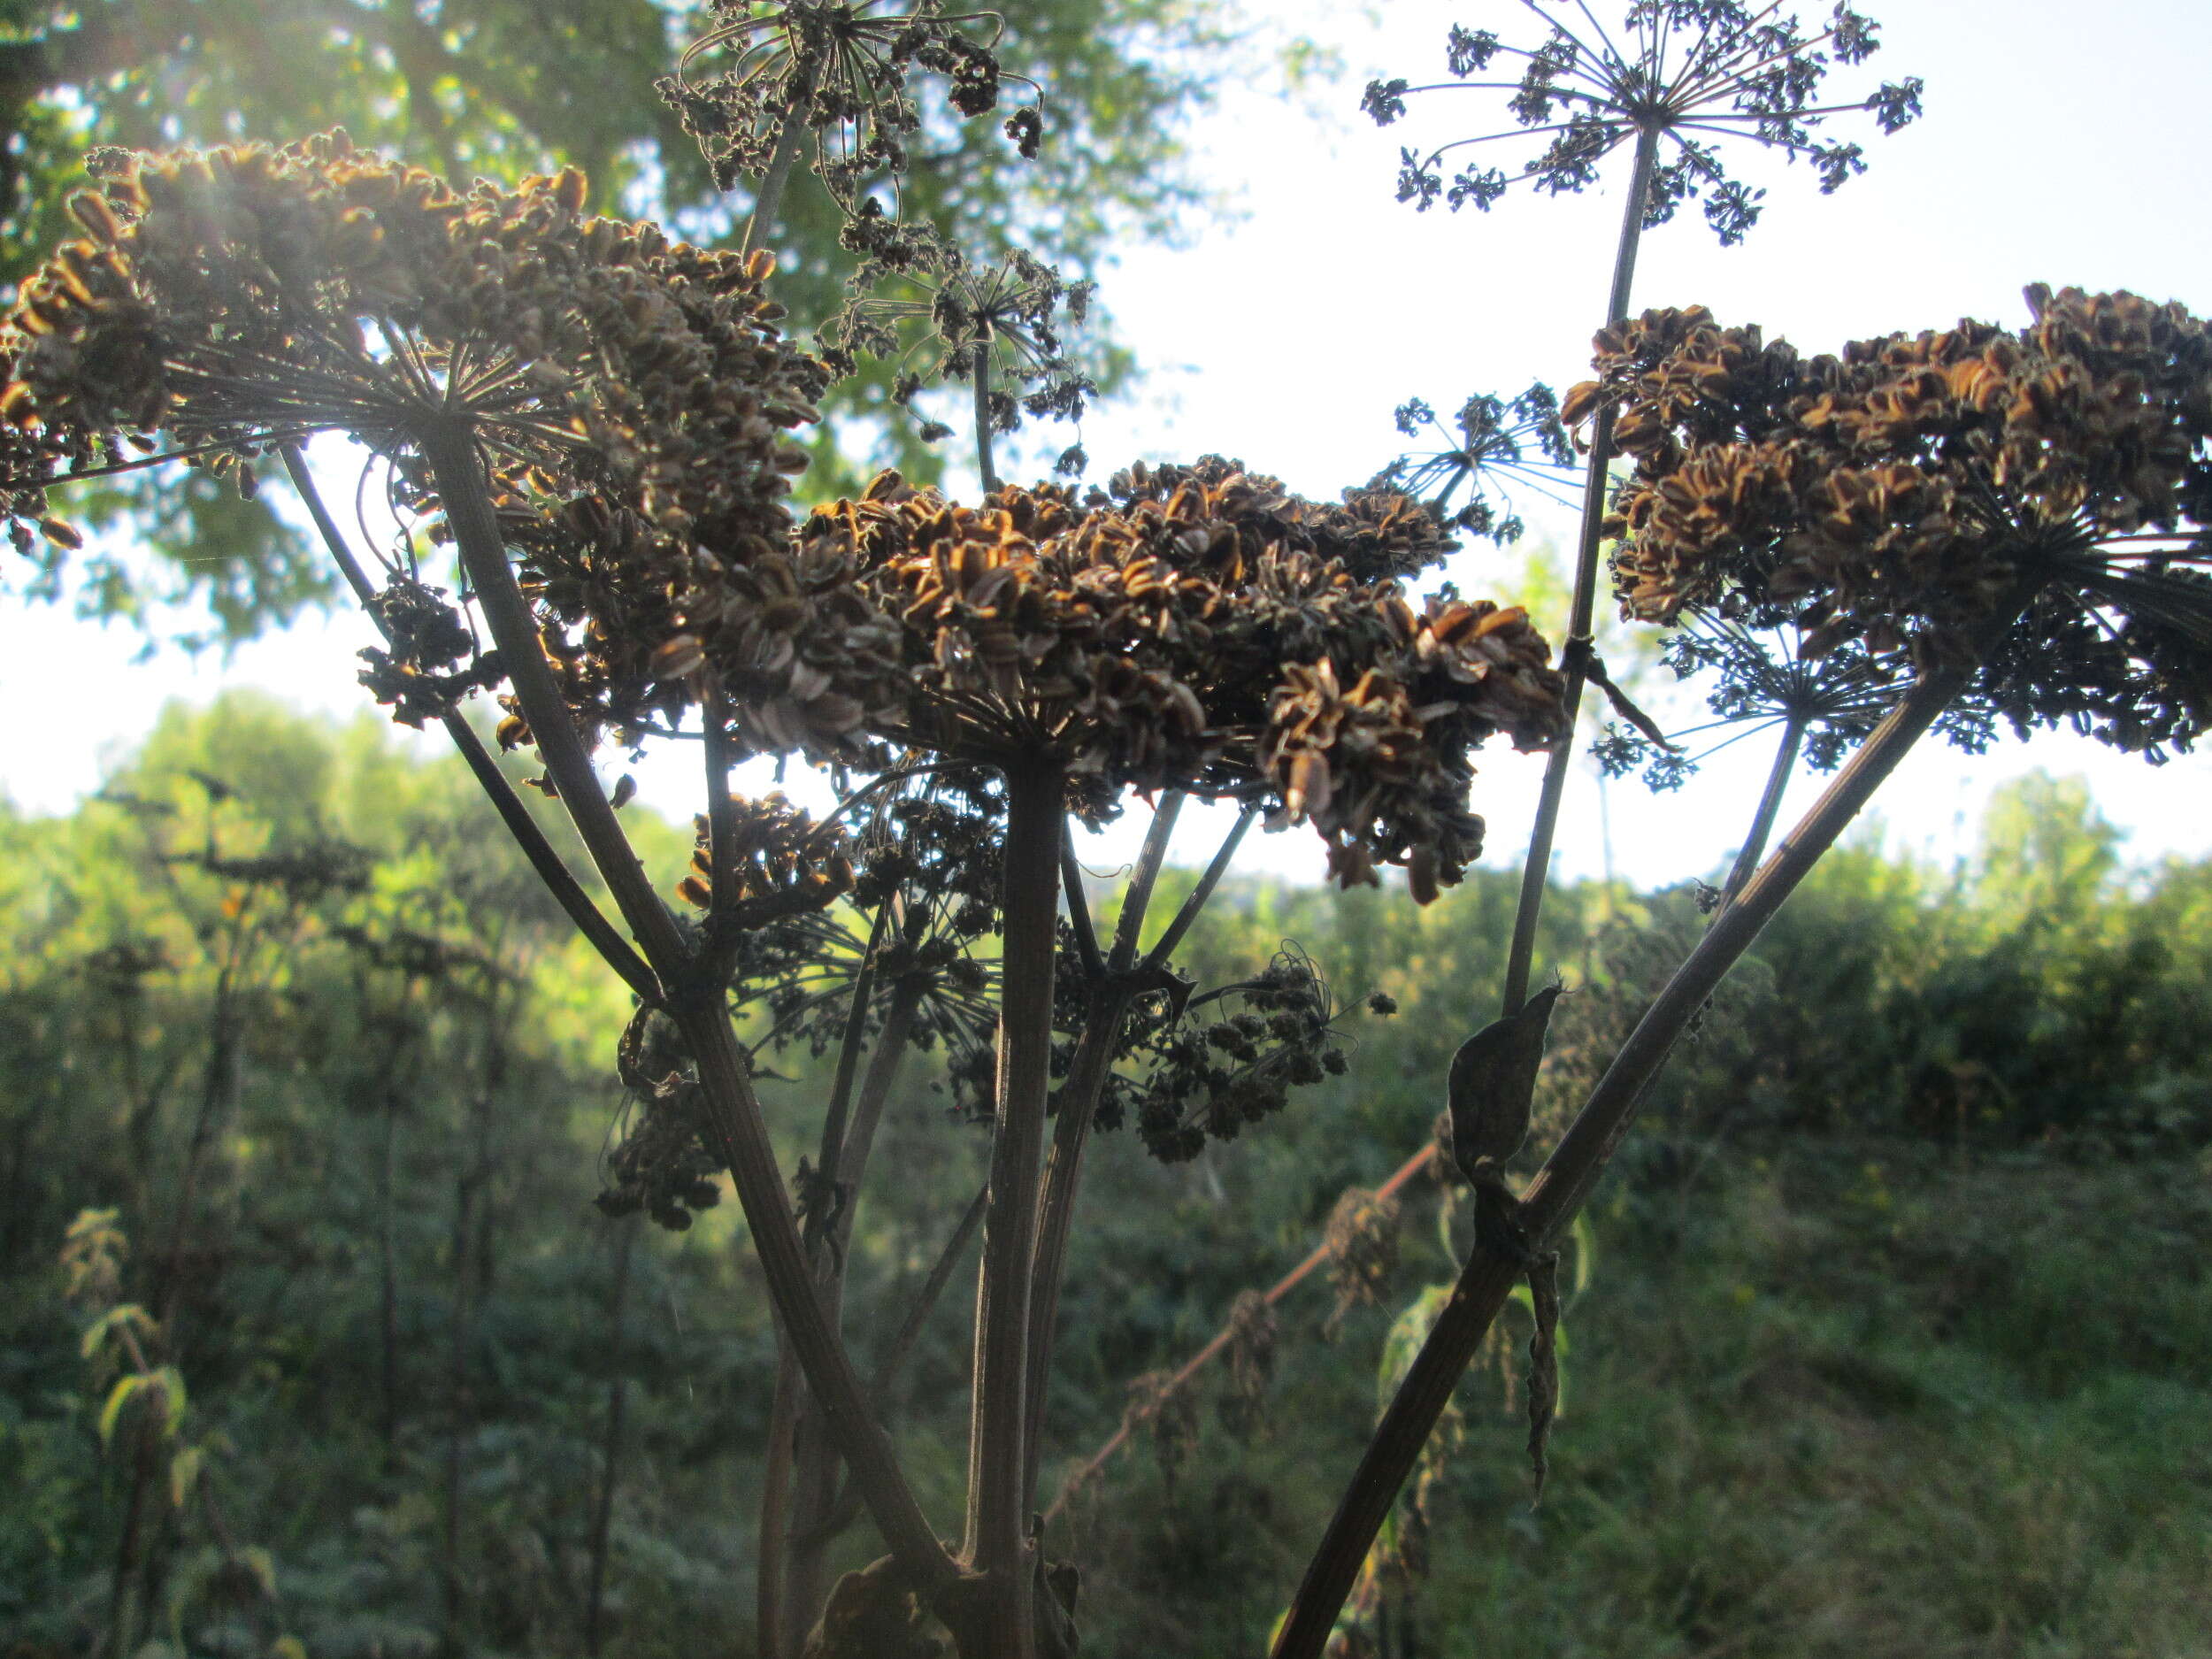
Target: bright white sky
[[2062, 143]]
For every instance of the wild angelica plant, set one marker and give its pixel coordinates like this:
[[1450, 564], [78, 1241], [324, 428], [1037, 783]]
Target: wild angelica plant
[[599, 423]]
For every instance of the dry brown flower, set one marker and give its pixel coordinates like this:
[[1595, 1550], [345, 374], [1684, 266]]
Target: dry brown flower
[[1895, 495]]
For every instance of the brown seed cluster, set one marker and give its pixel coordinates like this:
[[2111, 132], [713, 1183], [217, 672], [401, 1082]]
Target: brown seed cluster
[[782, 863], [1197, 627], [1900, 492], [631, 396]]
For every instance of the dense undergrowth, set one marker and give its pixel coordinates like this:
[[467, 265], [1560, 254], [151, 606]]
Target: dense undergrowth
[[1899, 1346]]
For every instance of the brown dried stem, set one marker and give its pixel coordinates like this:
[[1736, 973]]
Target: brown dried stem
[[1316, 1259], [1755, 845], [451, 453]]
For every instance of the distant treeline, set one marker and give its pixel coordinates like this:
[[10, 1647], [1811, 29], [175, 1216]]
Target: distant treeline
[[301, 1033]]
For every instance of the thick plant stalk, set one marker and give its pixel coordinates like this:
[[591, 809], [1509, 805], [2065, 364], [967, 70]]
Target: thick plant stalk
[[1116, 986], [738, 1135], [451, 452], [894, 1358], [843, 1167], [771, 1600], [1536, 874], [735, 1130], [1562, 1185], [1034, 818], [1754, 844]]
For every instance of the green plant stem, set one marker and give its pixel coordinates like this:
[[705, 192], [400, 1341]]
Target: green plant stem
[[551, 869], [736, 1131], [1536, 874], [768, 201], [1129, 925], [1034, 818], [1562, 1185], [1754, 844], [981, 373]]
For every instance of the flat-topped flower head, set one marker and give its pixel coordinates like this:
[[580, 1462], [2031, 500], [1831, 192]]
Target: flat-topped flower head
[[1902, 494], [631, 397], [1696, 72], [1197, 628], [1492, 447]]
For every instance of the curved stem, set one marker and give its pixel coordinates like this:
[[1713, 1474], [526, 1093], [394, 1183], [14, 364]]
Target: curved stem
[[1754, 844], [1034, 816], [1129, 927], [1564, 1182], [1080, 908], [1536, 874]]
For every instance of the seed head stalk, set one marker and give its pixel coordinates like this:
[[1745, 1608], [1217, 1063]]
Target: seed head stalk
[[1537, 871], [1035, 822], [769, 201], [984, 468], [1770, 807]]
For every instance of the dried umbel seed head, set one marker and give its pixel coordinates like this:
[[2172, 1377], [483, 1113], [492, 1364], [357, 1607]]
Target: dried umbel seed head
[[840, 70], [1363, 1241], [1492, 447], [1686, 72], [631, 397], [781, 862], [916, 301], [1898, 494], [1196, 628]]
